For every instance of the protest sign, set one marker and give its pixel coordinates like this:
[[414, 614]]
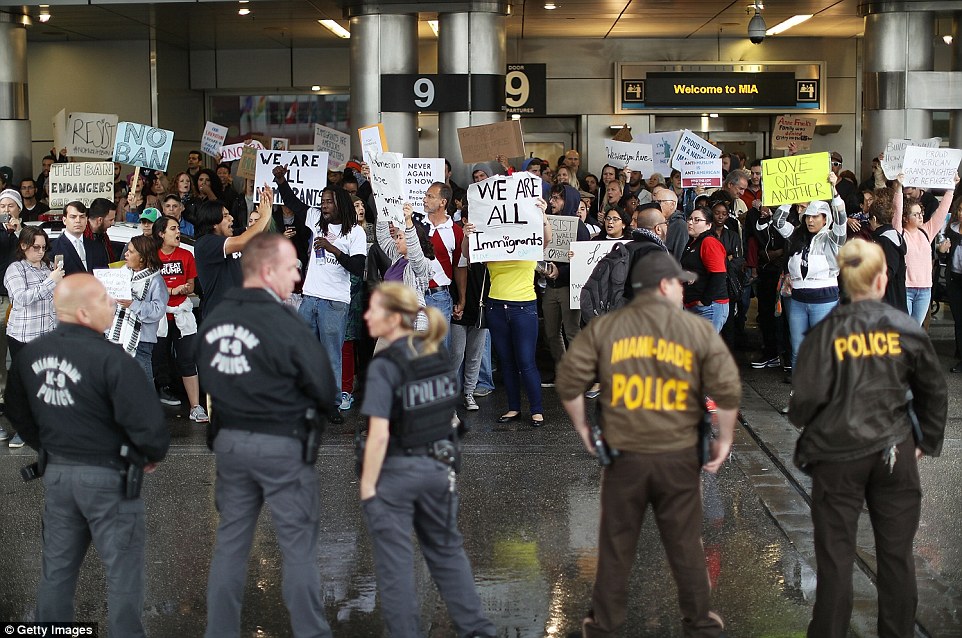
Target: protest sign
[[142, 145], [706, 173], [247, 167], [213, 138], [372, 140], [90, 135], [80, 181], [791, 128], [306, 173], [623, 134], [564, 230], [116, 281], [419, 174], [894, 154], [637, 157], [662, 146], [484, 143], [690, 146], [931, 168], [59, 123], [796, 178], [507, 219], [233, 152], [280, 143], [387, 182], [336, 144], [586, 256]]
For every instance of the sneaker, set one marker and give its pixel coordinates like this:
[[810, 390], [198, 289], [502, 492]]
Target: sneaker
[[470, 402], [347, 400], [594, 392], [773, 362], [198, 414], [790, 395], [16, 442], [4, 435], [482, 392], [167, 398]]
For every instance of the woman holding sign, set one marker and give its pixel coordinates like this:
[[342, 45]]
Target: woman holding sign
[[30, 282], [410, 251]]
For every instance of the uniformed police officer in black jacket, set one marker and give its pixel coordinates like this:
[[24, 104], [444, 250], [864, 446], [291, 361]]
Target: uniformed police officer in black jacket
[[407, 477], [80, 401], [265, 373]]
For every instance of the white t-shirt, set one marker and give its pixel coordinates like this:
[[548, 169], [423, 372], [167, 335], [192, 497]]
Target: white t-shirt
[[326, 278]]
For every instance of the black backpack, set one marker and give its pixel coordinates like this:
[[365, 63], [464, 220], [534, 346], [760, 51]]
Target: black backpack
[[605, 289]]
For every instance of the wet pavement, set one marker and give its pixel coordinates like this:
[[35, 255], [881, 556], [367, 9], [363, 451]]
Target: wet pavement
[[529, 513]]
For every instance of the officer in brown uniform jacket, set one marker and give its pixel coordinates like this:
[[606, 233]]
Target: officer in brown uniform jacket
[[656, 363]]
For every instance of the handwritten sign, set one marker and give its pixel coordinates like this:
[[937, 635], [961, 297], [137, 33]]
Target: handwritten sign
[[484, 143], [233, 152], [247, 167], [931, 167], [90, 135], [419, 174], [586, 256], [142, 145], [116, 281], [796, 178], [691, 146], [306, 173], [213, 138], [662, 147], [59, 123], [508, 220], [387, 182], [637, 157], [701, 172], [894, 155], [372, 141], [564, 230], [80, 181], [337, 145], [790, 128]]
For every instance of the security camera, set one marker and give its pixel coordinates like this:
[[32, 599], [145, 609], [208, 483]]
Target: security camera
[[756, 28]]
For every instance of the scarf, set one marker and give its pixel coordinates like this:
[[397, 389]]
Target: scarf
[[649, 235], [125, 329]]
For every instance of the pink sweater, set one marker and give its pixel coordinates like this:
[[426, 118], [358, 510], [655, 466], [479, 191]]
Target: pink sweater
[[918, 255]]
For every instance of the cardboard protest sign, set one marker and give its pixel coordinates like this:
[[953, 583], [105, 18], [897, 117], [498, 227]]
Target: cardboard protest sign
[[894, 154], [691, 146], [586, 256], [931, 168], [372, 140], [508, 221], [419, 174], [637, 157], [792, 128], [796, 178], [564, 230], [247, 167], [59, 123], [142, 145], [80, 181], [336, 144], [90, 135], [662, 147], [706, 173], [484, 143], [213, 138], [387, 182], [116, 281], [306, 173], [623, 134]]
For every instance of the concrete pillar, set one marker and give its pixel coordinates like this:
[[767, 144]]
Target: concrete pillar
[[15, 135], [896, 43], [382, 44], [473, 43]]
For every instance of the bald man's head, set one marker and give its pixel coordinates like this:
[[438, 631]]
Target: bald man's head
[[82, 300], [649, 218]]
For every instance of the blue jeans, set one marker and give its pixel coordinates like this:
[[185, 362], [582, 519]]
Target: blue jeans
[[485, 380], [440, 298], [143, 357], [514, 332], [716, 313], [918, 300], [328, 321], [803, 316]]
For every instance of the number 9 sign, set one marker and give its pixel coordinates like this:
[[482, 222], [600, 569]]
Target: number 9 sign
[[517, 89], [423, 92], [524, 89]]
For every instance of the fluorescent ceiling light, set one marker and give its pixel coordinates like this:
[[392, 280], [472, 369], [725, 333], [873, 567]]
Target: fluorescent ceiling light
[[335, 28], [947, 39], [316, 87], [794, 21], [44, 13], [434, 26], [550, 5]]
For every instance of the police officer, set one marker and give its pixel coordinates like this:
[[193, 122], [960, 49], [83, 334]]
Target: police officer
[[407, 477], [81, 402], [265, 373], [656, 362], [861, 441]]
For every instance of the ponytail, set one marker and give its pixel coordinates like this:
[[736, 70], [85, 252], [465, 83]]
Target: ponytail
[[396, 297]]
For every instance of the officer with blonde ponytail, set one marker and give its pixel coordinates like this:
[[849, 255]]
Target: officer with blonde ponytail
[[408, 467]]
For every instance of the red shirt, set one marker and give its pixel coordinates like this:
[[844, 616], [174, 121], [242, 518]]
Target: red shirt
[[177, 269], [715, 258]]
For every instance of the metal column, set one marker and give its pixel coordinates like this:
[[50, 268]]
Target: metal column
[[15, 135]]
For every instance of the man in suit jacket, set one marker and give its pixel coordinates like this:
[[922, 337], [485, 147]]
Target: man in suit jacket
[[80, 254]]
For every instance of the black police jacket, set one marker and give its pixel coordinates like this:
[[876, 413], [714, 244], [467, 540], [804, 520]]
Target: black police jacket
[[262, 366], [75, 394]]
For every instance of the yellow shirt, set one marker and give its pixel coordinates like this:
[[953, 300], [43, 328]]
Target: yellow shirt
[[512, 280]]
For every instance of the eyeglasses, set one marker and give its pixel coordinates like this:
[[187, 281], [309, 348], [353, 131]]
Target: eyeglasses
[[697, 220], [663, 201], [38, 248], [836, 164], [613, 219]]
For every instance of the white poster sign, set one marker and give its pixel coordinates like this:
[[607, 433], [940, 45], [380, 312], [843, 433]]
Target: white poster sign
[[894, 154], [233, 152], [662, 147], [116, 281], [508, 221], [706, 173], [419, 174], [586, 256], [80, 181], [142, 145], [59, 123], [90, 135], [306, 173], [213, 139], [637, 157], [564, 230], [387, 182], [931, 168], [336, 144], [691, 146], [372, 140]]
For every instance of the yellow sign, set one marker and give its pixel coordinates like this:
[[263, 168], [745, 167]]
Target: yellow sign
[[796, 178]]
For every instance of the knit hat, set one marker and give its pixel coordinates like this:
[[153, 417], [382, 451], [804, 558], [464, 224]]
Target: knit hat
[[14, 195]]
